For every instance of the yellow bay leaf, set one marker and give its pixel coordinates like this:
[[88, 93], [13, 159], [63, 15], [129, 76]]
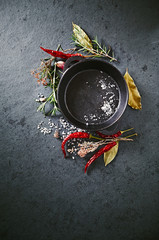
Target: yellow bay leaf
[[82, 37], [110, 155], [134, 95]]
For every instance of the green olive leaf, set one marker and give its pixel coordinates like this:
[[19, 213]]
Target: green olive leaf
[[134, 95], [82, 37], [110, 155]]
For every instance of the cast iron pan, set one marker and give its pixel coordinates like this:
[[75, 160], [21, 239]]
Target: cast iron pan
[[86, 91]]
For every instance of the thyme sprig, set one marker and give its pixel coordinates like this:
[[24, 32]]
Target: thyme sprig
[[54, 80], [49, 76]]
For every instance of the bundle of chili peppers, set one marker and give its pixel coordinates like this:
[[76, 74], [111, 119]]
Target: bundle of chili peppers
[[110, 143]]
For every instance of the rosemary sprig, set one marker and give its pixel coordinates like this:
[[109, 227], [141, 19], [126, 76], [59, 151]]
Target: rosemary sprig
[[93, 48], [96, 51]]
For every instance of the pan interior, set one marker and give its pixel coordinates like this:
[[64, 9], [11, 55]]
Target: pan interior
[[92, 96]]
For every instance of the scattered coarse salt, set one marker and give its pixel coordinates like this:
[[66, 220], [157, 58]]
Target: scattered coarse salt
[[107, 108]]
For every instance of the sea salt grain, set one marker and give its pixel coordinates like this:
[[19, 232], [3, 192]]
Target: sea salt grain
[[102, 84]]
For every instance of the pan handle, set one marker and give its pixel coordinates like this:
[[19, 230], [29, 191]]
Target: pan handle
[[72, 60]]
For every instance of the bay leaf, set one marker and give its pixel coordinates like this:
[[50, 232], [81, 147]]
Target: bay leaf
[[82, 37], [110, 155], [134, 95]]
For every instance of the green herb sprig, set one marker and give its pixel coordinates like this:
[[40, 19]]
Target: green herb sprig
[[49, 76], [92, 47], [54, 80]]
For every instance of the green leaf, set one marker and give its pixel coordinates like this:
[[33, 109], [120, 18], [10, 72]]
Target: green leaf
[[81, 37]]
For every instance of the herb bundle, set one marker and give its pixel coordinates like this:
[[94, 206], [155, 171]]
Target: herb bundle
[[94, 48]]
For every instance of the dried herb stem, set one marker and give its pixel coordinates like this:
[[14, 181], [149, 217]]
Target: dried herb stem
[[86, 147], [71, 50]]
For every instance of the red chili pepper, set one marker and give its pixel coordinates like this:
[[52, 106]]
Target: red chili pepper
[[60, 54], [73, 135], [119, 133], [99, 153], [109, 136]]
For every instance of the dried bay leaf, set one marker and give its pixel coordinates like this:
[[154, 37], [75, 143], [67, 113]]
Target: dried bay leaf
[[134, 95], [110, 155], [82, 37]]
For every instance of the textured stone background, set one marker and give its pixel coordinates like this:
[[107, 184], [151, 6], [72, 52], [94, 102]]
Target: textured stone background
[[42, 195]]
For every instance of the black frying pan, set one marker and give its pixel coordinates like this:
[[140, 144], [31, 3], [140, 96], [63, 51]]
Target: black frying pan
[[86, 91]]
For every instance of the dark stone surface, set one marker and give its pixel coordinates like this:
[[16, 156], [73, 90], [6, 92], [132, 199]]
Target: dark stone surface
[[42, 195]]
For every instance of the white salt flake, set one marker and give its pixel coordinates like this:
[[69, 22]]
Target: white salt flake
[[102, 84]]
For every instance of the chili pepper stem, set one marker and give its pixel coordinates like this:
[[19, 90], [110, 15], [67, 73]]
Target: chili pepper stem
[[135, 134], [126, 130], [91, 136]]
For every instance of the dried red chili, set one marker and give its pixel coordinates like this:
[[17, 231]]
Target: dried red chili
[[60, 54], [118, 134], [71, 136], [99, 153], [109, 136]]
